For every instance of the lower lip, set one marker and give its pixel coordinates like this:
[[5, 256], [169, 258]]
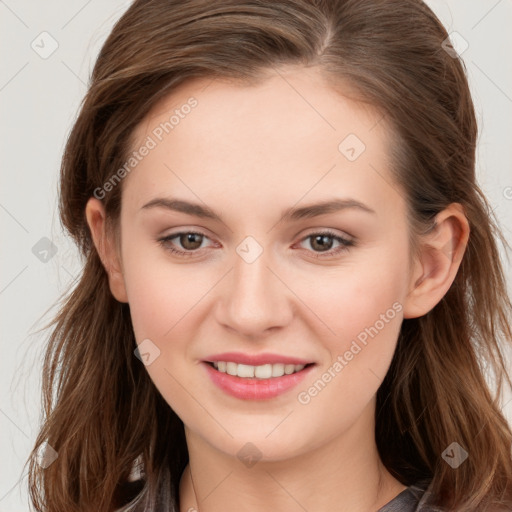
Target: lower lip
[[255, 389]]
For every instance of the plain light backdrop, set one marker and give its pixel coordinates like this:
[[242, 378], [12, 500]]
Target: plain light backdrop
[[48, 50]]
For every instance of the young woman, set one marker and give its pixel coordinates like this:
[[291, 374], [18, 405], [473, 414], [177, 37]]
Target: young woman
[[292, 297]]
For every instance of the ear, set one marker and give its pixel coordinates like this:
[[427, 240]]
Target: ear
[[106, 247], [441, 252]]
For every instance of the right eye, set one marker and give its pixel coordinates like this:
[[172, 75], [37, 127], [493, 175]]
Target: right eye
[[190, 241]]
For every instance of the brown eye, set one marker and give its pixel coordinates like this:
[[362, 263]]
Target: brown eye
[[187, 242], [321, 243], [190, 241]]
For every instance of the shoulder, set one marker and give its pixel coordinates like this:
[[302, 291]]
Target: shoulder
[[413, 499], [422, 491]]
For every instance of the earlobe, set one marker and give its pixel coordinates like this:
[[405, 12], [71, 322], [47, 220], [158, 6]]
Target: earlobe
[[441, 253], [106, 248]]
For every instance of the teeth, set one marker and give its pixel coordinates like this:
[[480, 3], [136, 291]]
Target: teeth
[[264, 371], [232, 368], [289, 368], [277, 370], [244, 370]]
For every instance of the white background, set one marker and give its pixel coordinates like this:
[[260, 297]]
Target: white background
[[39, 100]]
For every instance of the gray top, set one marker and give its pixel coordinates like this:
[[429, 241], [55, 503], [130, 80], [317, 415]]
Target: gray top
[[412, 499]]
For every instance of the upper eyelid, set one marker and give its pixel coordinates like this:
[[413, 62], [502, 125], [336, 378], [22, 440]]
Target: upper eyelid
[[315, 231]]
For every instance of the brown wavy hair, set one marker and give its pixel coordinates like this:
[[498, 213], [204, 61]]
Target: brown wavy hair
[[101, 409]]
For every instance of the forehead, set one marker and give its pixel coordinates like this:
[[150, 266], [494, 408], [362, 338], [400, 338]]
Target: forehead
[[288, 135], [277, 98]]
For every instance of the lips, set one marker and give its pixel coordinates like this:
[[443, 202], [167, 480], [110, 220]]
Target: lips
[[255, 359], [263, 371], [255, 377]]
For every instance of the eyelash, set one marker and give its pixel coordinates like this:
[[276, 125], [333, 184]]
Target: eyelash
[[345, 243]]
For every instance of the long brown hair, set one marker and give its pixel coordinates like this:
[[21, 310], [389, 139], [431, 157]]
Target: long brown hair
[[101, 409]]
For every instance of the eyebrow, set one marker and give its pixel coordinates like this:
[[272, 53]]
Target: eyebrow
[[291, 214]]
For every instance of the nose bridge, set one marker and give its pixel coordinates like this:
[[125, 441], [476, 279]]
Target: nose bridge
[[255, 299]]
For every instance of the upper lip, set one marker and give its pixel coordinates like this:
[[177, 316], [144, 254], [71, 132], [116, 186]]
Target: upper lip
[[255, 359]]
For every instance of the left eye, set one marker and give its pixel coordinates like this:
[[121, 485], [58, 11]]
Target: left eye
[[320, 240], [191, 242]]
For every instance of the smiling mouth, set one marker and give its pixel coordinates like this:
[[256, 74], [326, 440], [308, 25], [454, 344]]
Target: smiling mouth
[[264, 371]]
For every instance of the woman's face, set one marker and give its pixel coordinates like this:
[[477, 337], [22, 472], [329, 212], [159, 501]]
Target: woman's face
[[265, 285]]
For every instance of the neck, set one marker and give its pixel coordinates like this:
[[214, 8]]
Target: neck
[[344, 474]]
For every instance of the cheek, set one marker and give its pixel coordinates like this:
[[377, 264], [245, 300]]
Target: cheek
[[348, 300], [360, 301], [165, 302], [362, 310], [367, 324], [160, 293]]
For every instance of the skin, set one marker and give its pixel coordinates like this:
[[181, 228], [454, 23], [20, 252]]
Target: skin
[[248, 153]]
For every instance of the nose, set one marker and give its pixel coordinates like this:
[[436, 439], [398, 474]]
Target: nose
[[255, 300]]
